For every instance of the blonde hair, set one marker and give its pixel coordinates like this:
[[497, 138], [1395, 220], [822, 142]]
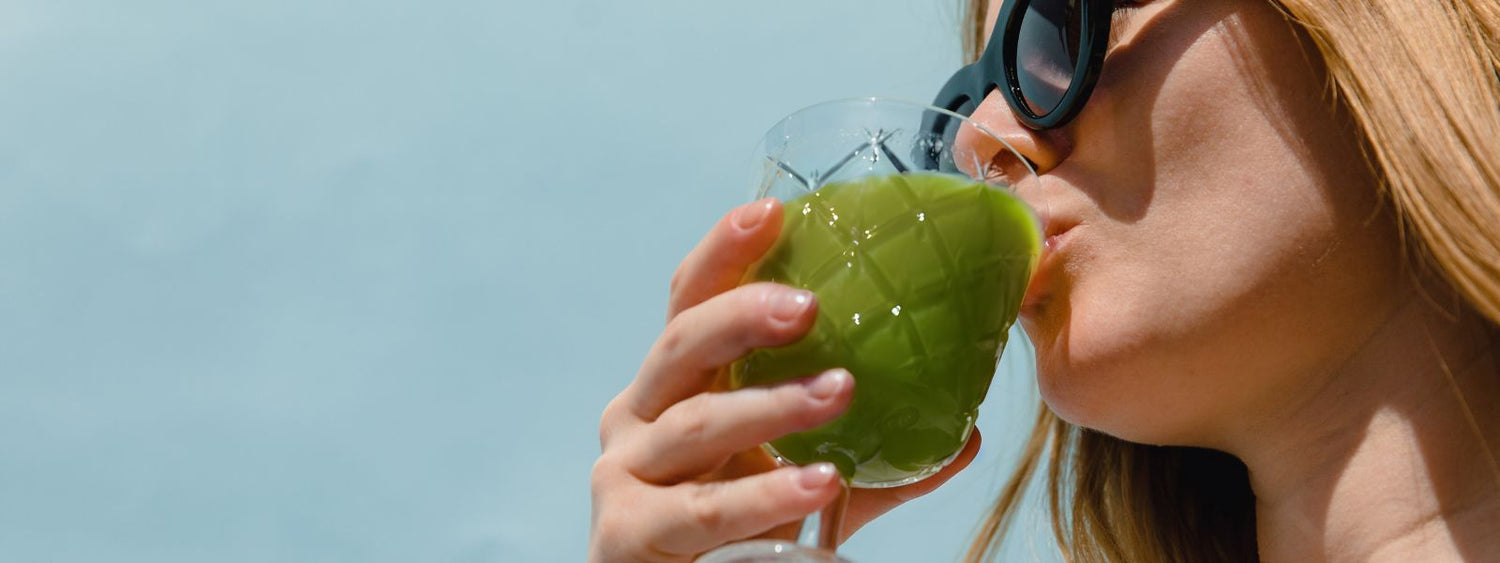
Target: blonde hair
[[1421, 82]]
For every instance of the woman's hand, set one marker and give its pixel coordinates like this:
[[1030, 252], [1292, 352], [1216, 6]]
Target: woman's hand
[[681, 470]]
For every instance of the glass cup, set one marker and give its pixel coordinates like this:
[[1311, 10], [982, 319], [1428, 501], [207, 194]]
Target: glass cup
[[905, 221]]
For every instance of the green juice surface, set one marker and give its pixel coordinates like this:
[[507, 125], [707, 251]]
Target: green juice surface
[[918, 277]]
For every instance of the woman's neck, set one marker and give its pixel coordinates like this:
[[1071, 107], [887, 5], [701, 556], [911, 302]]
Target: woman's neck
[[1385, 459]]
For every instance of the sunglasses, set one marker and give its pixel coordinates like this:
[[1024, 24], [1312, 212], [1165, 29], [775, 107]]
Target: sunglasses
[[1044, 56]]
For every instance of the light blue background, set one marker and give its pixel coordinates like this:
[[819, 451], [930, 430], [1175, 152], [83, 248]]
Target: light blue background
[[351, 280]]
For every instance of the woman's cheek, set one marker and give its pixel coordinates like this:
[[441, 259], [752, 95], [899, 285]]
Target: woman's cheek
[[1110, 348]]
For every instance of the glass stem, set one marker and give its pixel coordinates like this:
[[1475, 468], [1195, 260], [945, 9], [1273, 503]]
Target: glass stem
[[831, 520]]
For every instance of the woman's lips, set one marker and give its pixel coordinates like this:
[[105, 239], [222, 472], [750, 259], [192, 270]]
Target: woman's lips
[[1040, 289], [1056, 236]]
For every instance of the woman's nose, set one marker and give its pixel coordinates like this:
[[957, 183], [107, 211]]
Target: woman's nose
[[1043, 149]]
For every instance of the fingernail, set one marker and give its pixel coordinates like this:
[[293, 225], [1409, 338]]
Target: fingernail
[[788, 305], [750, 216], [816, 476], [827, 384]]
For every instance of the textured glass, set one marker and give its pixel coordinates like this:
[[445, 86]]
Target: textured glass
[[918, 278], [919, 271]]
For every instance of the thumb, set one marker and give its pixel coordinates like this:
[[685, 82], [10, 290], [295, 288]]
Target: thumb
[[867, 504]]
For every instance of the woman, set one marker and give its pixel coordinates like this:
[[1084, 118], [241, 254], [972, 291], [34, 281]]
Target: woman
[[1267, 323]]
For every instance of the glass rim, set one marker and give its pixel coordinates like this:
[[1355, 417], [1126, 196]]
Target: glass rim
[[894, 101]]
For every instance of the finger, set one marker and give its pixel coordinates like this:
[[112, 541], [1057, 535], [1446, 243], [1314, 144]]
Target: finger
[[699, 434], [867, 504], [706, 515], [720, 260], [718, 331]]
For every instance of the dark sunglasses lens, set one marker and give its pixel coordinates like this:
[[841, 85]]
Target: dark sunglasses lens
[[1047, 52]]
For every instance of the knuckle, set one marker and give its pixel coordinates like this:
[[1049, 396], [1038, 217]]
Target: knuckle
[[793, 402], [803, 414], [691, 424], [602, 475], [759, 303], [706, 510], [752, 314], [807, 417], [759, 294], [606, 421], [672, 340], [789, 394], [679, 277]]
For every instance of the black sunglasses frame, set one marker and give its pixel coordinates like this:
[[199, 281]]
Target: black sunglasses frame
[[996, 67]]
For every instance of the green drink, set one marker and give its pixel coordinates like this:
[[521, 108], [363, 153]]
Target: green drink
[[903, 219], [919, 277]]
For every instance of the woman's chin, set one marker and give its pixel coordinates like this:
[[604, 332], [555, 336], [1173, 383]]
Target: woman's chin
[[1069, 396], [1113, 388], [1072, 402], [1088, 371]]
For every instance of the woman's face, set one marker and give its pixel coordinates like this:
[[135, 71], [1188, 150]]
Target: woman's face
[[1223, 246]]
